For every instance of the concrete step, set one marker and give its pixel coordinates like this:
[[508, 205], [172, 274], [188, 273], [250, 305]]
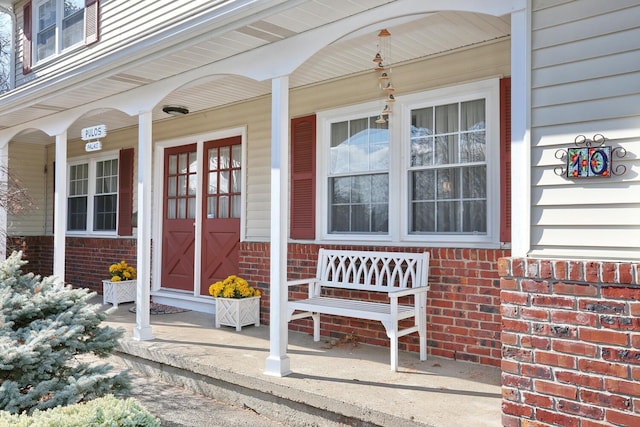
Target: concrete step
[[290, 406]]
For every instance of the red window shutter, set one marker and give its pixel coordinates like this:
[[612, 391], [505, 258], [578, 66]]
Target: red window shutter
[[505, 159], [26, 38], [125, 192], [303, 177], [92, 21]]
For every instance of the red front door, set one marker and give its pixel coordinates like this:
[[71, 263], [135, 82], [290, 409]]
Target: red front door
[[221, 209], [179, 216]]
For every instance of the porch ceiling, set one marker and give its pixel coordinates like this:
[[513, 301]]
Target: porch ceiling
[[414, 37]]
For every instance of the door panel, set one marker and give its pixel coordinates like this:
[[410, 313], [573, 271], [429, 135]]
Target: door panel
[[179, 216], [221, 210]]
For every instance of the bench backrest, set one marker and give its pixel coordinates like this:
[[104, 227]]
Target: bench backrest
[[372, 271]]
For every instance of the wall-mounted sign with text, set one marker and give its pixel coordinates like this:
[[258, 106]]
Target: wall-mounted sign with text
[[93, 134]]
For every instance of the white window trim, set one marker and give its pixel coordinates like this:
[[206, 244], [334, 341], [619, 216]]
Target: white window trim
[[399, 163], [58, 33], [323, 132], [92, 160]]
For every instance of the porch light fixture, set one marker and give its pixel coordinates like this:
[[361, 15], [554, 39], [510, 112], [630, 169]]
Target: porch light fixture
[[175, 110]]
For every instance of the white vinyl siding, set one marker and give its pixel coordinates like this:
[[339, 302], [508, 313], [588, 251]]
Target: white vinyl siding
[[489, 61], [26, 165], [121, 23], [585, 81]]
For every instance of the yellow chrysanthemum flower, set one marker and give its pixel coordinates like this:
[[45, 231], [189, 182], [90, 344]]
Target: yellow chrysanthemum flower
[[122, 271], [232, 287]]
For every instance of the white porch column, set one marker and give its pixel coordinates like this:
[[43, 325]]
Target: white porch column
[[60, 207], [520, 131], [278, 361], [142, 330], [4, 181]]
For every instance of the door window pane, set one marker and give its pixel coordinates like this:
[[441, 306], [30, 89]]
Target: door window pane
[[224, 184]]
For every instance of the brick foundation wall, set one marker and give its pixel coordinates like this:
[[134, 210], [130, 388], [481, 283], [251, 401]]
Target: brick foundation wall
[[571, 343], [87, 259], [463, 305], [38, 250]]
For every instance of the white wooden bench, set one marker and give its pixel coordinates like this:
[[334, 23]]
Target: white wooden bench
[[398, 274]]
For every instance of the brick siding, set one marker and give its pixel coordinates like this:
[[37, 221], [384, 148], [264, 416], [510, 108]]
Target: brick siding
[[87, 259], [463, 305], [571, 343]]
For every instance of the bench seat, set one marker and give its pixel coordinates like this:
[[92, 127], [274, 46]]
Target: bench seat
[[351, 308], [397, 274]]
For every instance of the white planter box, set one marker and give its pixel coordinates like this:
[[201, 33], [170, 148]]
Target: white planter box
[[117, 292], [238, 312]]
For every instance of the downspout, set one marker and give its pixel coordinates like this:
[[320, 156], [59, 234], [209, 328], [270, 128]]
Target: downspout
[[12, 47]]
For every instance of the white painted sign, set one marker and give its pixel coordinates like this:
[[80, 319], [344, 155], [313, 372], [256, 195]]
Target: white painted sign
[[93, 146], [94, 132]]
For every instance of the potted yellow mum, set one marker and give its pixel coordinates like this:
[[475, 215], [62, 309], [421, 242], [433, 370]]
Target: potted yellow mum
[[237, 303], [122, 285]]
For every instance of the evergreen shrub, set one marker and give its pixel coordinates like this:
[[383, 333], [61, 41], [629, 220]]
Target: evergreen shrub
[[103, 411], [51, 343]]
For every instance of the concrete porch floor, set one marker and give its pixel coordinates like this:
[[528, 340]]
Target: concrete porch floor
[[332, 383]]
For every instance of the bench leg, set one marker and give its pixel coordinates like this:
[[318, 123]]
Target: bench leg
[[394, 349], [392, 333], [316, 326], [422, 327]]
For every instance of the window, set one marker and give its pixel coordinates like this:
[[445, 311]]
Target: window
[[92, 205], [359, 177], [59, 24], [448, 169], [431, 174], [105, 200]]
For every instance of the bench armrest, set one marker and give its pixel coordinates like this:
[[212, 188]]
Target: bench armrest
[[299, 282], [312, 284], [408, 291]]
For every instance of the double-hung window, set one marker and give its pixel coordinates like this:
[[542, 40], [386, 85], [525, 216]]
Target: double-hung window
[[92, 204], [448, 168], [359, 177], [59, 24], [428, 175]]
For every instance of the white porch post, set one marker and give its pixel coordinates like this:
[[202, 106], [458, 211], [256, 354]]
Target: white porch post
[[60, 207], [278, 361], [4, 180], [520, 131], [142, 330]]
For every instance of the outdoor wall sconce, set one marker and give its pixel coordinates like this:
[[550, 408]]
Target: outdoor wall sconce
[[590, 158], [175, 110]]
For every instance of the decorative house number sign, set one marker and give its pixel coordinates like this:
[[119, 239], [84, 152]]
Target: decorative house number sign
[[92, 134], [590, 158]]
